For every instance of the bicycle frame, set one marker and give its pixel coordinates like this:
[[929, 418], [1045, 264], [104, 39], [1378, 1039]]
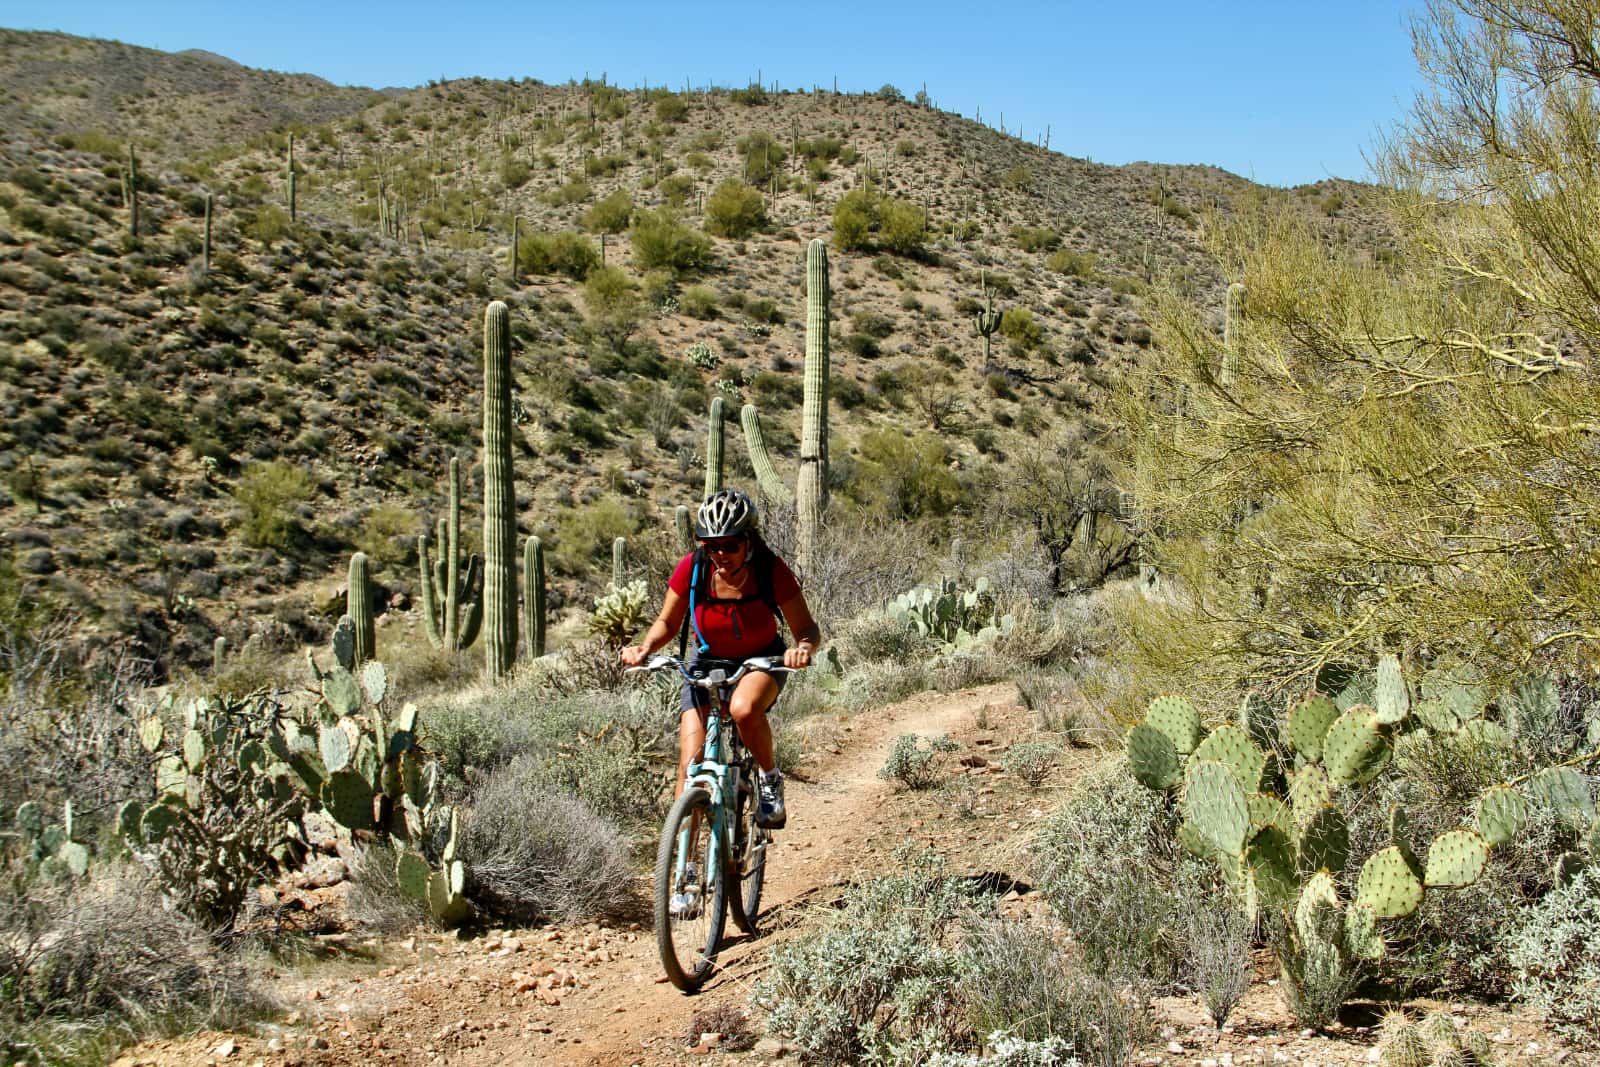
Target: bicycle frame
[[716, 772]]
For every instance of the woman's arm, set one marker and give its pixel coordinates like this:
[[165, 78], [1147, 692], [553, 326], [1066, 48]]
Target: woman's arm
[[667, 623], [807, 634]]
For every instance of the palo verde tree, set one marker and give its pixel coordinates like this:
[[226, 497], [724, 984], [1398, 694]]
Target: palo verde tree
[[1403, 454]]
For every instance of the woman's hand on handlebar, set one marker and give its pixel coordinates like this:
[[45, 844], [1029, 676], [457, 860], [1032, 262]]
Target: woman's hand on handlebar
[[797, 657], [635, 655]]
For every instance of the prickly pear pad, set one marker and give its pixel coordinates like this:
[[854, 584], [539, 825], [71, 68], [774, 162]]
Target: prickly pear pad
[[1501, 814], [1231, 747], [1178, 719], [1388, 885], [1309, 793], [1152, 757], [1355, 749], [1214, 803], [1308, 724], [1391, 698], [1456, 859]]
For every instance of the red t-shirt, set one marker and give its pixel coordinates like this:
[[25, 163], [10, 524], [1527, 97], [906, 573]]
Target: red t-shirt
[[736, 629]]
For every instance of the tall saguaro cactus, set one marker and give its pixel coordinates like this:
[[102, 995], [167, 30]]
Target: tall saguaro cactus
[[289, 165], [205, 255], [133, 193], [358, 605], [811, 486], [533, 594], [714, 438], [987, 321], [811, 490], [499, 497], [1231, 317]]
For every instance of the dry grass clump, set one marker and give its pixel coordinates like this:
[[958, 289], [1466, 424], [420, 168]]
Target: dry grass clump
[[88, 965], [533, 854]]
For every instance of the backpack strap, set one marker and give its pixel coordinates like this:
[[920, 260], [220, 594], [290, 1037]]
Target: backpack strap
[[695, 589]]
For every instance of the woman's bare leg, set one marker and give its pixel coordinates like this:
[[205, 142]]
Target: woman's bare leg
[[755, 693], [691, 742]]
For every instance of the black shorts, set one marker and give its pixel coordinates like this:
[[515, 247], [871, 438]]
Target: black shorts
[[695, 697]]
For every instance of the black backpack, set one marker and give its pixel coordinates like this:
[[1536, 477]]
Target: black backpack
[[761, 559]]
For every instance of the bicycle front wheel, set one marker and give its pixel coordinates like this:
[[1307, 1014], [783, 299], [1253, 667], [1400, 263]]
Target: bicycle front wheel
[[748, 865], [690, 892]]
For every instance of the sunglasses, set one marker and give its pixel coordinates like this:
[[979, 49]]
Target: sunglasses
[[726, 546]]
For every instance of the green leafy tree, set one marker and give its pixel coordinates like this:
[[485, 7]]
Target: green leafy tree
[[906, 477], [1396, 450]]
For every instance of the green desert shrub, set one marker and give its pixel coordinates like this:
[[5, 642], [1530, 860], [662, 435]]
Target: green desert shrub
[[734, 209], [1108, 862], [1030, 761], [661, 241], [1018, 978], [915, 762], [700, 301], [1035, 238], [880, 983], [610, 214], [535, 854], [270, 494], [567, 253]]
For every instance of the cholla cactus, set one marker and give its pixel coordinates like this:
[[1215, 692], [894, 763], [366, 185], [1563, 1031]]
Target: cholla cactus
[[230, 792], [619, 613]]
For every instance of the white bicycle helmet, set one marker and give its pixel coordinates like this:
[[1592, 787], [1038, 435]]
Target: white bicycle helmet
[[726, 513]]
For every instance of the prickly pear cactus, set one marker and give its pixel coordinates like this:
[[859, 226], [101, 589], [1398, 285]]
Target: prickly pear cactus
[[231, 789]]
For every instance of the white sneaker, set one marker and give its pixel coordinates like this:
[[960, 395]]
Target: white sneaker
[[770, 812], [685, 904]]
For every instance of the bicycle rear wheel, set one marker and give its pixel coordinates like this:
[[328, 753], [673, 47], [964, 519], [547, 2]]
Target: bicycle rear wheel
[[749, 862], [687, 867]]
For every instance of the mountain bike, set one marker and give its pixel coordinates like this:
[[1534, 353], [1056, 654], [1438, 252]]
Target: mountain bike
[[713, 857]]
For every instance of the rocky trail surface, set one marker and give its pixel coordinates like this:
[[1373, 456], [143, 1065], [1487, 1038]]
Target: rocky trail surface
[[595, 995]]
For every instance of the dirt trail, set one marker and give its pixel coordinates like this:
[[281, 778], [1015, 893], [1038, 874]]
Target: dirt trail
[[592, 995]]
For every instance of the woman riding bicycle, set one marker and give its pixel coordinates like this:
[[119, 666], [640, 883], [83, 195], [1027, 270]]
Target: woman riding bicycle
[[734, 582]]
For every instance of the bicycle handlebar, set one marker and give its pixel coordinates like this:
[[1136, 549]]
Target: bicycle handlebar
[[715, 670]]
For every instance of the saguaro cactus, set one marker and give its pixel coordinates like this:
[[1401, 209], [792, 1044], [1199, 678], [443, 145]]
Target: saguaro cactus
[[499, 497], [810, 495], [987, 321], [619, 561], [452, 600], [685, 526], [205, 255], [289, 167], [714, 439], [516, 237], [358, 605], [1230, 334], [766, 474], [533, 594], [133, 193], [811, 491]]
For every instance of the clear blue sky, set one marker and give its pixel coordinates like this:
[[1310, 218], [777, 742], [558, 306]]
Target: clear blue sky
[[1282, 92]]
